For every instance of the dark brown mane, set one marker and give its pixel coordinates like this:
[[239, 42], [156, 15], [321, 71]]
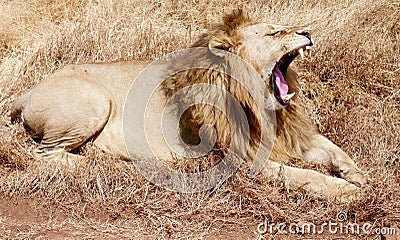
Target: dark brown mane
[[231, 22]]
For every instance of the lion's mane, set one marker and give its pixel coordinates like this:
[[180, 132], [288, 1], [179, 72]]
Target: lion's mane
[[293, 129]]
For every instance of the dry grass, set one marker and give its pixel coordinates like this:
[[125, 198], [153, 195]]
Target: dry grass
[[350, 88]]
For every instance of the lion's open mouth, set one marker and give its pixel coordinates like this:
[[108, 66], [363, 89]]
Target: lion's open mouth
[[279, 84]]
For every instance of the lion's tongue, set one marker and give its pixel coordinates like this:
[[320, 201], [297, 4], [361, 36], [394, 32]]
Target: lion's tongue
[[280, 82]]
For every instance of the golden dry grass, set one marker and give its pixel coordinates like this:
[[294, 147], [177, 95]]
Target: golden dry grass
[[350, 89]]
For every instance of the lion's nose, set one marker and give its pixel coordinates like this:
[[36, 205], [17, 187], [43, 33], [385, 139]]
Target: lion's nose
[[305, 32]]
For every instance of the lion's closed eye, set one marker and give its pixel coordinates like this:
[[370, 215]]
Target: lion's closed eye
[[275, 33]]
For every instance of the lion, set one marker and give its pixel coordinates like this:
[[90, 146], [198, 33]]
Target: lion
[[81, 103]]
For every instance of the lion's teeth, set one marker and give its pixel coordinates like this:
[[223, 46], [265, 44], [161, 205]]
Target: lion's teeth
[[301, 53], [309, 50], [288, 96]]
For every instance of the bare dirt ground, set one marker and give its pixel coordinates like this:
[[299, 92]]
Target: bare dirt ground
[[350, 88], [23, 220]]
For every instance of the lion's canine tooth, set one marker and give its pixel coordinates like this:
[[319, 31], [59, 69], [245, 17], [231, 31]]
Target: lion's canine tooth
[[288, 96], [301, 53], [309, 50]]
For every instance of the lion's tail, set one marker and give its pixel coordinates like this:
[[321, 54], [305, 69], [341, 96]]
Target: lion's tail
[[16, 109]]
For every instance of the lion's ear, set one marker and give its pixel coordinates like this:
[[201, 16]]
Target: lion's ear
[[219, 44]]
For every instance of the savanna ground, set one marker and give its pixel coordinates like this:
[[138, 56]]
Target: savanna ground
[[350, 88]]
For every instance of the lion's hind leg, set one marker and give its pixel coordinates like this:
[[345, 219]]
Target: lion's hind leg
[[55, 146], [63, 118], [58, 141], [57, 155]]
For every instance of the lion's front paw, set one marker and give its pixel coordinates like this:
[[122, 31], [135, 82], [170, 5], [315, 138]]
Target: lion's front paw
[[333, 187], [354, 176], [344, 191]]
